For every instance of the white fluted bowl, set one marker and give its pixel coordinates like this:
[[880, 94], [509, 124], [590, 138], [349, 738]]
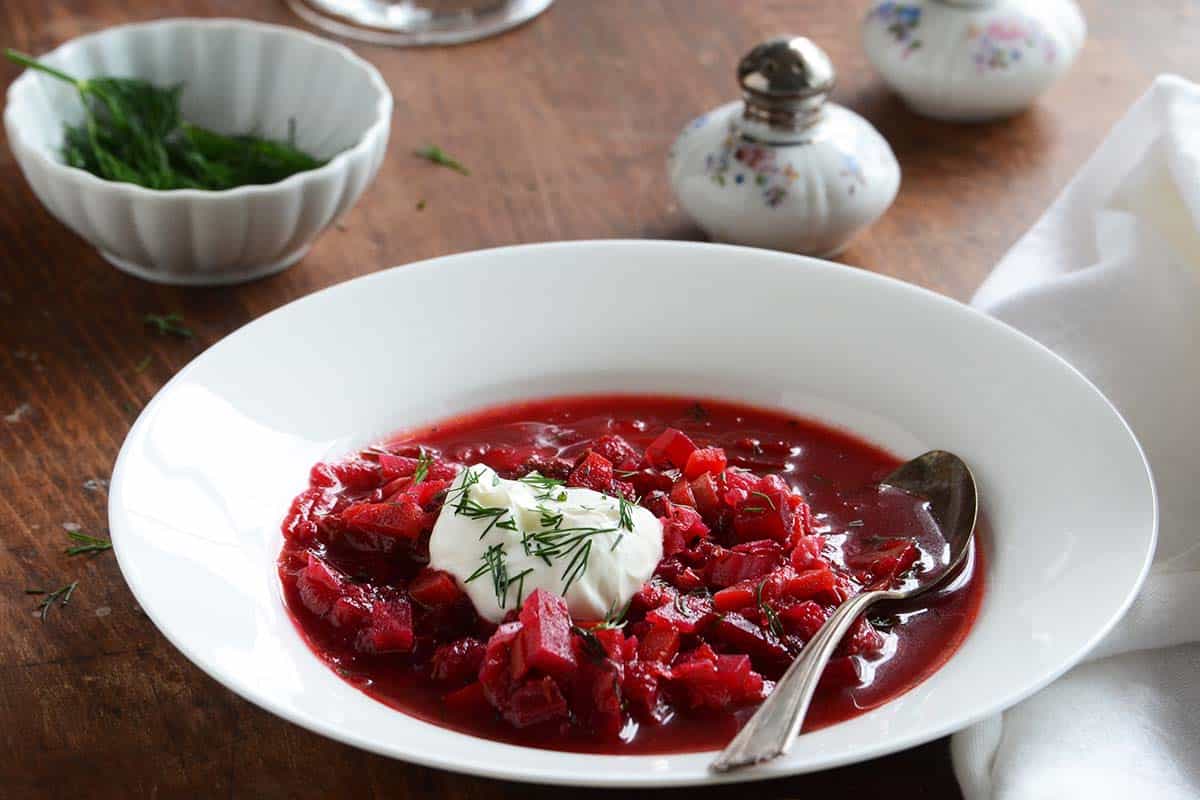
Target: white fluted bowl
[[239, 77]]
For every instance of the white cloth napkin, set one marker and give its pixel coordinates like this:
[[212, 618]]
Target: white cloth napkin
[[1109, 278]]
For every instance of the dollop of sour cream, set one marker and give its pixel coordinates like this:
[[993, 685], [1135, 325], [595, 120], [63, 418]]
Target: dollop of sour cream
[[502, 539]]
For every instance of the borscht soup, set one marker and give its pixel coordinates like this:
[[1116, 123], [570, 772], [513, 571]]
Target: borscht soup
[[614, 574]]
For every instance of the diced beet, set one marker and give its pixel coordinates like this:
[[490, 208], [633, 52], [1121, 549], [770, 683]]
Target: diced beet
[[350, 611], [682, 527], [648, 481], [686, 580], [434, 589], [535, 701], [764, 516], [394, 467], [688, 614], [746, 637], [392, 488], [613, 642], [629, 650], [425, 491], [505, 460], [658, 504], [468, 700], [806, 554], [597, 698], [593, 471], [458, 662], [299, 526], [547, 466], [659, 643], [621, 453], [884, 562], [390, 629], [681, 493], [545, 639], [404, 520], [820, 584], [723, 684], [709, 460], [495, 673], [321, 476], [319, 585], [704, 490], [654, 593], [804, 619], [734, 665], [741, 479], [734, 598], [356, 473], [624, 489], [671, 449], [861, 639], [738, 565], [642, 688], [840, 673]]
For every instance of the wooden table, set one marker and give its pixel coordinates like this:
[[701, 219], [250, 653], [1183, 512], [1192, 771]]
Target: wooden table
[[564, 124]]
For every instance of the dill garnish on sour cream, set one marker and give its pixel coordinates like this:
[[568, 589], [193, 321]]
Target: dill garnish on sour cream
[[501, 539]]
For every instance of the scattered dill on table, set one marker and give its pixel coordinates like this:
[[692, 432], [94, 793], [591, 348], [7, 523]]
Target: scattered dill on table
[[436, 155], [85, 544], [61, 595], [133, 132], [168, 325]]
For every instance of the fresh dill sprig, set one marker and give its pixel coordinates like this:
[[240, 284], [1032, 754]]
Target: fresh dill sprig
[[168, 325], [134, 132], [769, 613], [614, 620], [545, 487], [472, 509], [592, 645], [551, 541], [61, 595], [577, 566], [87, 544], [495, 564], [766, 497], [625, 510], [436, 155], [424, 462]]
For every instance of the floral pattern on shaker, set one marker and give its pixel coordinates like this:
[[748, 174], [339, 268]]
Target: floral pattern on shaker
[[739, 161], [901, 21], [1002, 43], [852, 172]]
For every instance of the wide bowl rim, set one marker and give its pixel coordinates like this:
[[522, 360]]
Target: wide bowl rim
[[627, 771], [362, 148]]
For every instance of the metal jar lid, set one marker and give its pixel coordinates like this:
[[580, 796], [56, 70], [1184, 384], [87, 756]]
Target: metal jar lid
[[785, 82]]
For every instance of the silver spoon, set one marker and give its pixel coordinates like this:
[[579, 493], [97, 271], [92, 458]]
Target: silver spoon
[[946, 482]]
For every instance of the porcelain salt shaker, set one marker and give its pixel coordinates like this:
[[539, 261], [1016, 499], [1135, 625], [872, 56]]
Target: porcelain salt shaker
[[784, 168], [972, 60]]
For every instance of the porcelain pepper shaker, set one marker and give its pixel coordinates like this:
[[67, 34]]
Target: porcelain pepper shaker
[[784, 168], [972, 60]]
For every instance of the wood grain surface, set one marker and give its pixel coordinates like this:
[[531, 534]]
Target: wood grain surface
[[564, 124]]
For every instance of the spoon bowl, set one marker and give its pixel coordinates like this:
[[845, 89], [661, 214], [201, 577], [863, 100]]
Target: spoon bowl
[[946, 484]]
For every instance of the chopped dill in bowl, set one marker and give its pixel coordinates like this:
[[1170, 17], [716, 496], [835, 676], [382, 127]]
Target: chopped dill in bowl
[[134, 132]]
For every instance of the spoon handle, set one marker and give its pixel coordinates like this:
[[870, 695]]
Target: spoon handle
[[773, 728]]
